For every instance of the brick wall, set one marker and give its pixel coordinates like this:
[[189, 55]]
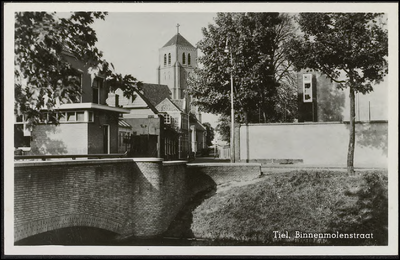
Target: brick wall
[[131, 197], [95, 136], [126, 196]]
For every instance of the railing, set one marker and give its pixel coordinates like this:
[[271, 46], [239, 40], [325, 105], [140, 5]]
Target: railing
[[72, 156]]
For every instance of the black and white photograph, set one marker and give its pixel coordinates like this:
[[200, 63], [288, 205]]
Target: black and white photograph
[[200, 129]]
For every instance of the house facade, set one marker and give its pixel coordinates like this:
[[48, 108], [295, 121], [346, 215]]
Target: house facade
[[192, 133], [150, 132], [85, 127]]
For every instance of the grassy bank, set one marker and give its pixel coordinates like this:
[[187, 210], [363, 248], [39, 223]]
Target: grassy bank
[[328, 202]]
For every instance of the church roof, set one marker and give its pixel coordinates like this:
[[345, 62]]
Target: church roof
[[155, 93], [178, 39]]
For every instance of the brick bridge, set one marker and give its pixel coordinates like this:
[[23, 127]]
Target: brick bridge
[[131, 197]]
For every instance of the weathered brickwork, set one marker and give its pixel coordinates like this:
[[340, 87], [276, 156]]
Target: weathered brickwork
[[131, 197], [95, 141]]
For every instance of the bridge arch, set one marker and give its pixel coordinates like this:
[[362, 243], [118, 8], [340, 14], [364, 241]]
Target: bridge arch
[[72, 236], [35, 227]]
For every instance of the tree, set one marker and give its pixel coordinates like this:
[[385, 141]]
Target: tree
[[285, 74], [331, 100], [265, 88], [210, 133], [224, 128], [43, 76], [349, 48], [249, 38]]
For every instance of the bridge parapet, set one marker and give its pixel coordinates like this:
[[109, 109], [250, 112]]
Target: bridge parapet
[[130, 196]]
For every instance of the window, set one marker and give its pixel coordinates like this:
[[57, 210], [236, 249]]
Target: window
[[80, 116], [169, 58], [97, 86], [165, 59], [188, 58], [61, 117], [77, 79], [91, 117], [183, 58], [71, 117], [167, 119], [116, 100], [20, 124]]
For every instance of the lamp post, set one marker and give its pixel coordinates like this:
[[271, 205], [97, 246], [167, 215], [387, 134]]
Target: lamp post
[[227, 50]]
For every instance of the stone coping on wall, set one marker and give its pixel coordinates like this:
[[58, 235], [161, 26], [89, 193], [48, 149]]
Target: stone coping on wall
[[280, 161], [171, 163], [224, 164], [84, 161], [315, 123]]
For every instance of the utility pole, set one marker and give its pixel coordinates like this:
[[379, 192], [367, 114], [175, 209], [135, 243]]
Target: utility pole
[[228, 50]]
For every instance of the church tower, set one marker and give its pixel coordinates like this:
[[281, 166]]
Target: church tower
[[177, 59]]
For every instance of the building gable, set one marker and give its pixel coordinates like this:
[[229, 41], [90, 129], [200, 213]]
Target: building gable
[[167, 105]]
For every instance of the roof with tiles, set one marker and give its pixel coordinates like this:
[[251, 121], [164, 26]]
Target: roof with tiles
[[178, 39], [155, 93]]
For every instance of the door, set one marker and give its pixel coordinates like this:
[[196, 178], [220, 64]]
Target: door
[[106, 139]]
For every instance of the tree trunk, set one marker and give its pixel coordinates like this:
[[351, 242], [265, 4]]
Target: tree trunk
[[350, 152]]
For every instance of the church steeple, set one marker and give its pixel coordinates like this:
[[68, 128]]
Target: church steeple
[[177, 59], [178, 39]]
